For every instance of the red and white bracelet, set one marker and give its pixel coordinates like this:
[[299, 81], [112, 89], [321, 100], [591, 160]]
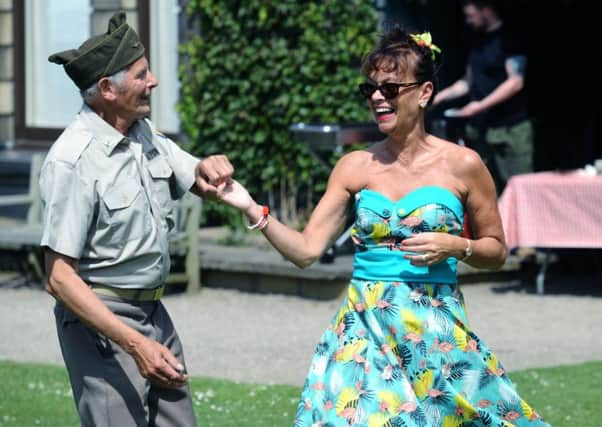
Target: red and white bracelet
[[263, 221]]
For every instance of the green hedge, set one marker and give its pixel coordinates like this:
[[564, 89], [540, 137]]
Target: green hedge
[[256, 67]]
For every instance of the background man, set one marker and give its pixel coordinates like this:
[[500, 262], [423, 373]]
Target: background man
[[108, 185], [499, 128]]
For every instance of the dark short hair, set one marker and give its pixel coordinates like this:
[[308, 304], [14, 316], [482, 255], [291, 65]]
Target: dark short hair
[[480, 4], [398, 52]]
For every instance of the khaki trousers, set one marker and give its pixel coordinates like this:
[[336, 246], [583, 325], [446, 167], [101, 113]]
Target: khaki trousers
[[108, 389]]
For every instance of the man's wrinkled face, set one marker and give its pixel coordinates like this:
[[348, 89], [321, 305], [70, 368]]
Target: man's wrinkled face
[[133, 95]]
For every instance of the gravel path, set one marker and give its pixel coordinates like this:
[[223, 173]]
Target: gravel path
[[270, 338]]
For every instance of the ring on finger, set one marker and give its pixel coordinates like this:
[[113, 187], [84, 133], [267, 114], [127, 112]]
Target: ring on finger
[[424, 257]]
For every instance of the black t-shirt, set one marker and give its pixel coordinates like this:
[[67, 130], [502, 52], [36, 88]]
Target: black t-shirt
[[487, 62]]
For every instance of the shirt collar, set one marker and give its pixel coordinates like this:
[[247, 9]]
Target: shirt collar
[[141, 132], [107, 135]]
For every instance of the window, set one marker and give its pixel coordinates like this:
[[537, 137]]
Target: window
[[51, 98], [46, 99]]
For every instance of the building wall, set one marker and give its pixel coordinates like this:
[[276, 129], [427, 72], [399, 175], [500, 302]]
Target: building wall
[[7, 86], [102, 11]]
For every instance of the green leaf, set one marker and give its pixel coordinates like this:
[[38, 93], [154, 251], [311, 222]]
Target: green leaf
[[256, 68]]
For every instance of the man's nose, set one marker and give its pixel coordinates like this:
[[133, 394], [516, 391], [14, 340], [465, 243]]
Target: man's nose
[[152, 80]]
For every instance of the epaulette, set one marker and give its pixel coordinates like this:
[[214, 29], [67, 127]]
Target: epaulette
[[154, 130], [160, 134], [71, 144]]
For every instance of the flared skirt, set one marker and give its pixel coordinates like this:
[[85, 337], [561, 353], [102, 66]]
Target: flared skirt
[[401, 354]]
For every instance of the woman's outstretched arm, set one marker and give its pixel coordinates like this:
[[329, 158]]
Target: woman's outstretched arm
[[325, 224]]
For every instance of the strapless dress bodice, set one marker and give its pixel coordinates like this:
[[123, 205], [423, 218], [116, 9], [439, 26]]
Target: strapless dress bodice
[[382, 224]]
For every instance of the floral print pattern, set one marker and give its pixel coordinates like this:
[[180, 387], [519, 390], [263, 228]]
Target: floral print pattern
[[401, 354]]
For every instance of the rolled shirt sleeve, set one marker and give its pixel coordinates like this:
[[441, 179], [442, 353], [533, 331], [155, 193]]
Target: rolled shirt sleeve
[[183, 165], [68, 203]]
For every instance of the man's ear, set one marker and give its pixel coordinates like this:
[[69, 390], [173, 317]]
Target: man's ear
[[106, 89]]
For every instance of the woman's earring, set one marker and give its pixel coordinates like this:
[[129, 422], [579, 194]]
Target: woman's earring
[[422, 104]]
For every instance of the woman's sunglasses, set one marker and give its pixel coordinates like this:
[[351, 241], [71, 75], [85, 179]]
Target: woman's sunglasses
[[388, 90]]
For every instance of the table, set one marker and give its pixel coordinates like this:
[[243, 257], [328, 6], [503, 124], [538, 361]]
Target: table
[[552, 210]]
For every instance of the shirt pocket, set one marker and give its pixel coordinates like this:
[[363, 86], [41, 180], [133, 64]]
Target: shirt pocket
[[161, 174], [126, 212]]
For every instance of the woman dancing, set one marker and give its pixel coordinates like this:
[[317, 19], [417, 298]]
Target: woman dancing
[[399, 351]]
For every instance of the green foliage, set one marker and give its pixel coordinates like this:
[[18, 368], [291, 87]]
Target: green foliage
[[259, 66]]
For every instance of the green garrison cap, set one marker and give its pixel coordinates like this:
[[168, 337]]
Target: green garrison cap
[[101, 55]]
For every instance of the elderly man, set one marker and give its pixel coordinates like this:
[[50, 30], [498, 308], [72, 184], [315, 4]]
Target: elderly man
[[107, 185]]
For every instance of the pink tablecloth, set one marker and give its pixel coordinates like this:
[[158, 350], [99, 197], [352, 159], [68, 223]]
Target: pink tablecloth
[[554, 210]]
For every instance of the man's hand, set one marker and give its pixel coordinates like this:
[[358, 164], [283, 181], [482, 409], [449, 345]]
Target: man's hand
[[210, 173], [157, 363], [471, 109]]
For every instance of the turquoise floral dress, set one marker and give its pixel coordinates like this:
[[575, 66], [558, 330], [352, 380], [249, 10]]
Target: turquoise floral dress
[[399, 352]]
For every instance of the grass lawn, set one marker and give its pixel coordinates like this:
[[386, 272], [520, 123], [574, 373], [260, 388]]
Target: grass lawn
[[39, 395]]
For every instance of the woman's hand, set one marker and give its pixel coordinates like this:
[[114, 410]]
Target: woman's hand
[[234, 194], [431, 248]]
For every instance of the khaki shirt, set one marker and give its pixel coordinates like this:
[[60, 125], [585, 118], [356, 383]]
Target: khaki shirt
[[108, 200]]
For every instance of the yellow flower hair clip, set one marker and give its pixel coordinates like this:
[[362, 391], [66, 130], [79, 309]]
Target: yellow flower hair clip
[[426, 40]]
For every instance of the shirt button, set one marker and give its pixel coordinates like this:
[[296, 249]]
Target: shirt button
[[401, 212], [386, 212]]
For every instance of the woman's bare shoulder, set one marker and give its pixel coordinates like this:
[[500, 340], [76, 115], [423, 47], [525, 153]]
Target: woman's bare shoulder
[[355, 159], [462, 161], [346, 169]]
